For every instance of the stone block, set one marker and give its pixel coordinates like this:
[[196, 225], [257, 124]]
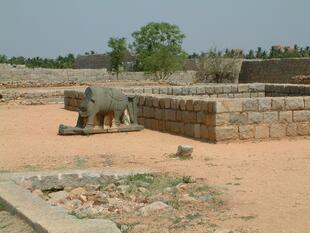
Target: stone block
[[246, 132], [277, 130], [148, 112], [155, 90], [189, 106], [163, 90], [170, 115], [154, 124], [201, 90], [243, 88], [141, 101], [211, 119], [237, 118], [140, 112], [227, 89], [286, 116], [303, 129], [209, 90], [222, 118], [161, 102], [158, 114], [250, 105], [277, 103], [179, 115], [299, 116], [189, 117], [177, 91], [307, 102], [255, 117], [201, 117], [189, 130], [149, 101], [147, 90], [223, 133], [197, 133], [218, 89], [185, 91], [204, 132], [182, 104], [294, 103], [155, 102], [197, 105], [233, 105], [204, 106], [174, 104], [264, 104], [261, 131], [291, 129], [193, 90], [177, 127], [167, 102], [270, 117]]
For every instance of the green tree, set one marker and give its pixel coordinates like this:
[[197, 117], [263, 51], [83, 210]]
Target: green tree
[[118, 53], [158, 47]]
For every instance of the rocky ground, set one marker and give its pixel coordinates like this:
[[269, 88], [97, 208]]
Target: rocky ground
[[265, 185], [144, 203]]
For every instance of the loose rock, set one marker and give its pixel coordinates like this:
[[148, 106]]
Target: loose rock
[[184, 151]]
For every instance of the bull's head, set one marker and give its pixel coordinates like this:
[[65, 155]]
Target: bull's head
[[87, 104]]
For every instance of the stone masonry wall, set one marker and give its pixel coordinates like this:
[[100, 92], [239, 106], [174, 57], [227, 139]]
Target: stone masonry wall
[[273, 70], [73, 98]]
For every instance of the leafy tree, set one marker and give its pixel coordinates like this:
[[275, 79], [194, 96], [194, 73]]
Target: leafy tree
[[118, 53], [216, 67], [250, 55], [158, 47]]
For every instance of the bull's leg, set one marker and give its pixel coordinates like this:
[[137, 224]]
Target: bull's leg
[[117, 117], [80, 122], [90, 120]]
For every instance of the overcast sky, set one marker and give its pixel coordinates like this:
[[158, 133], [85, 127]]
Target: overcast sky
[[49, 28]]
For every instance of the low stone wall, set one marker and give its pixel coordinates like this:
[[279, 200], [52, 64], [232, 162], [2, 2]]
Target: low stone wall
[[73, 98], [194, 112], [287, 90]]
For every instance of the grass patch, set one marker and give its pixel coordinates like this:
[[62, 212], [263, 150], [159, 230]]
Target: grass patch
[[247, 218], [1, 206], [31, 167]]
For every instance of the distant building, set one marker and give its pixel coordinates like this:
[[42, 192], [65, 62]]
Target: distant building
[[93, 61]]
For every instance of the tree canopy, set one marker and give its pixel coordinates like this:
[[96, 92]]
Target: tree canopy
[[118, 53], [158, 48]]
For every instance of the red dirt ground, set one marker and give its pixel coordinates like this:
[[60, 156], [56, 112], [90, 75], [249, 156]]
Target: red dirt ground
[[266, 184]]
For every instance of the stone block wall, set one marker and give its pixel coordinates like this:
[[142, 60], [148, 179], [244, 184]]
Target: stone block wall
[[287, 90], [273, 70], [195, 112]]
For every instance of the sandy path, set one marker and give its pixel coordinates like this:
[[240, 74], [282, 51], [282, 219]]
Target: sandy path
[[266, 184]]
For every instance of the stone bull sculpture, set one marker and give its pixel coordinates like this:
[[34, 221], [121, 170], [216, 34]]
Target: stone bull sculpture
[[99, 104]]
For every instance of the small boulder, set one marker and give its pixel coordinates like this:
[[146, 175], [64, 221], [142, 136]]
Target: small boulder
[[184, 151], [153, 207], [77, 192], [59, 196]]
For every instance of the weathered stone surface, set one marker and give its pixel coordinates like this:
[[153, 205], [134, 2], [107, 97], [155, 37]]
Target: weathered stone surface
[[189, 117], [223, 133], [238, 118], [270, 117], [204, 132], [197, 131], [303, 129], [277, 104], [189, 130], [291, 129], [286, 116], [58, 196], [299, 116], [246, 132], [264, 104], [184, 151], [250, 105], [255, 117], [294, 103], [228, 106], [222, 118], [277, 130], [261, 131], [153, 207]]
